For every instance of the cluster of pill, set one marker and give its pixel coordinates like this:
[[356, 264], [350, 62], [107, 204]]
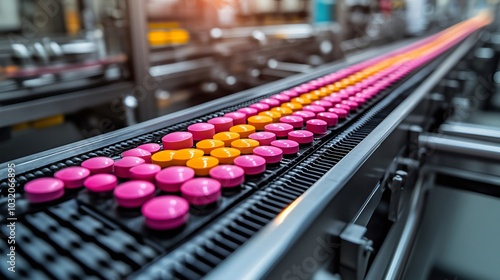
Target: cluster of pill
[[192, 167]]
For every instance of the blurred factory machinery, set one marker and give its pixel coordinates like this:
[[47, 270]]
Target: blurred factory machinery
[[86, 67]]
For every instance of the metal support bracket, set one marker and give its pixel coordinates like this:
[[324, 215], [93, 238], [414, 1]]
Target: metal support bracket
[[355, 251], [396, 185]]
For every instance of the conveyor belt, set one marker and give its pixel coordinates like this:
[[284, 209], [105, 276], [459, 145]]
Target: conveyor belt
[[86, 235]]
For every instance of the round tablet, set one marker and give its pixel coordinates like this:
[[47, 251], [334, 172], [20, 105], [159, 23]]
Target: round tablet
[[264, 138], [202, 131], [271, 102], [73, 176], [301, 136], [229, 176], [150, 147], [314, 108], [171, 178], [182, 156], [339, 112], [44, 189], [245, 146], [288, 147], [295, 121], [221, 123], [133, 194], [269, 153], [259, 122], [227, 137], [279, 129], [225, 155], [260, 107], [140, 153], [238, 117], [146, 172], [310, 96], [290, 92], [333, 99], [281, 97], [331, 119], [163, 158], [316, 126], [201, 191], [248, 111], [272, 114], [352, 105], [306, 115], [123, 166], [99, 165], [101, 183], [177, 140], [343, 106], [294, 106], [202, 165], [323, 103], [243, 130], [251, 164], [282, 110], [165, 212], [208, 145], [301, 100]]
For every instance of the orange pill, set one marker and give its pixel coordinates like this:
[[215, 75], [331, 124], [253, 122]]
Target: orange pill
[[163, 158], [310, 96], [243, 130], [225, 155], [202, 165], [182, 156], [275, 116], [292, 105], [301, 100], [284, 111], [245, 146], [227, 137], [259, 121], [208, 145]]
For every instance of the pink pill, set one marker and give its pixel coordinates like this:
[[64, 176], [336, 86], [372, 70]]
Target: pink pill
[[150, 147], [146, 171], [44, 190], [140, 153], [343, 106], [301, 136], [229, 176], [260, 107], [101, 183], [264, 138], [99, 165], [339, 112], [271, 102], [201, 191], [316, 126], [177, 140], [248, 111], [221, 123], [358, 99], [238, 117], [122, 166], [269, 153], [290, 93], [133, 194], [295, 121], [73, 176], [301, 89], [323, 103], [331, 119], [165, 212], [281, 97], [333, 99], [279, 129], [251, 164], [171, 178], [306, 115], [343, 95], [288, 147], [352, 105], [201, 131], [314, 108]]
